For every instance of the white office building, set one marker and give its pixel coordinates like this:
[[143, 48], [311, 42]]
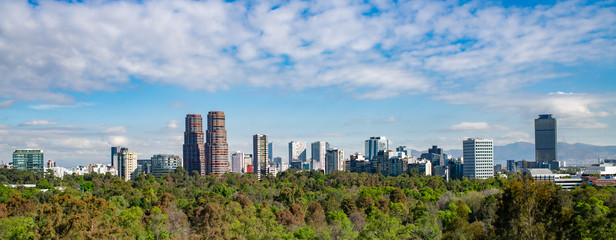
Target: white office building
[[237, 162], [478, 158], [297, 151], [318, 152]]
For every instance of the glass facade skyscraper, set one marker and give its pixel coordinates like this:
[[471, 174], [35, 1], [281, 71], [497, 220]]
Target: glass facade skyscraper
[[376, 144], [194, 146], [334, 160], [545, 139], [216, 146], [164, 163], [28, 160]]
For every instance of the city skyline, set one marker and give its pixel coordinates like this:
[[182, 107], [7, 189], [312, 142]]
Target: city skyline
[[420, 73]]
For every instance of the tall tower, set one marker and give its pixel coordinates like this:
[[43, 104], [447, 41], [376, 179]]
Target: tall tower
[[259, 157], [318, 151], [334, 160], [478, 158], [237, 162], [376, 144], [127, 164], [297, 150], [216, 147], [194, 147], [270, 151], [114, 155], [545, 139]]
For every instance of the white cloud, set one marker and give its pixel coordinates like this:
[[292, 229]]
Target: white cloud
[[173, 124], [470, 126], [409, 47], [7, 103], [37, 123], [52, 106], [476, 126], [561, 93], [117, 130], [118, 140]]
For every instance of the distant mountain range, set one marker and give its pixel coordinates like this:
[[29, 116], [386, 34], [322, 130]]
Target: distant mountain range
[[574, 154]]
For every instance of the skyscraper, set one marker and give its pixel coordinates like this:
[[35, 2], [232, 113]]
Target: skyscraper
[[435, 155], [127, 164], [297, 150], [237, 162], [216, 146], [194, 147], [334, 160], [160, 164], [259, 157], [114, 155], [478, 158], [28, 160], [270, 151], [404, 149], [318, 152], [545, 139], [376, 144]]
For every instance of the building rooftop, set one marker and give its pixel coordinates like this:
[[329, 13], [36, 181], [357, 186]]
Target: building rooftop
[[540, 171]]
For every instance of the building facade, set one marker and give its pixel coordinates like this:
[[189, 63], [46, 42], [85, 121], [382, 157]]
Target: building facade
[[358, 163], [478, 158], [318, 150], [127, 164], [260, 161], [376, 144], [28, 160], [162, 164], [297, 150], [194, 145], [270, 151], [545, 139], [334, 160], [216, 146], [114, 154], [237, 162]]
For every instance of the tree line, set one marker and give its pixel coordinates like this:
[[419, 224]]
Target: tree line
[[300, 205]]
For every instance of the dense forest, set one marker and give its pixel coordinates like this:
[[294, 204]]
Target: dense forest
[[299, 205]]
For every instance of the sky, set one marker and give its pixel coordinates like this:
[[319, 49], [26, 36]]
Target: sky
[[77, 77]]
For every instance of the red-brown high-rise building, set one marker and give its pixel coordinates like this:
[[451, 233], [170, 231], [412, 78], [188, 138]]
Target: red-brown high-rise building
[[216, 147], [194, 148]]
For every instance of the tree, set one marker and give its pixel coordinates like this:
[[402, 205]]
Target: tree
[[131, 221], [315, 214], [340, 226], [156, 224], [18, 206], [17, 228]]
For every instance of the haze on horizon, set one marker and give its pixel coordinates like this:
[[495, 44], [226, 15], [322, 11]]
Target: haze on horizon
[[78, 78]]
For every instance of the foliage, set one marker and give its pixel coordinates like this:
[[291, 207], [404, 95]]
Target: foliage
[[300, 205]]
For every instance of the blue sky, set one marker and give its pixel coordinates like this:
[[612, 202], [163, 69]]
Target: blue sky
[[79, 77]]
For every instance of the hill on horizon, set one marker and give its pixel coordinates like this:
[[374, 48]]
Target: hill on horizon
[[573, 154]]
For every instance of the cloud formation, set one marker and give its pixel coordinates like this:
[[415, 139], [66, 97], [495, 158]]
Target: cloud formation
[[7, 103], [37, 123], [470, 126], [173, 124], [376, 50]]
